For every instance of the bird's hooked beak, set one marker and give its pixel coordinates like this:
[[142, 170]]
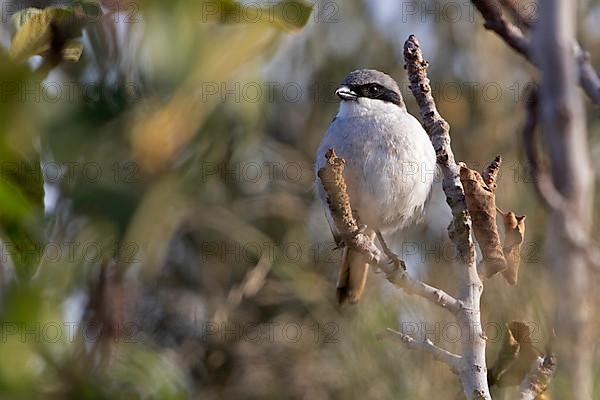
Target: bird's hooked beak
[[345, 93]]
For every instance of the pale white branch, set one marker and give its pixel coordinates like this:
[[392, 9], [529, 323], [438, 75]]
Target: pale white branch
[[453, 361], [396, 274], [473, 374], [537, 380]]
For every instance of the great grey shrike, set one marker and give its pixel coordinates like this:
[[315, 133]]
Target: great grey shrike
[[390, 165]]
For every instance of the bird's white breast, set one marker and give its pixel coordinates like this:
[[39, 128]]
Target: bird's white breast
[[390, 162], [365, 107]]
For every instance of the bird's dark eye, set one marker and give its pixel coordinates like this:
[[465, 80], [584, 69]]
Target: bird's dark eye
[[374, 90]]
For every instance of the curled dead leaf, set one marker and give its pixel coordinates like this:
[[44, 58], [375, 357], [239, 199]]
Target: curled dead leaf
[[481, 203], [515, 357], [514, 228]]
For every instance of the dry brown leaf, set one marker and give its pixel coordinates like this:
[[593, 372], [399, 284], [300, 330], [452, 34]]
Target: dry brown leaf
[[514, 233], [515, 357], [490, 173], [481, 204]]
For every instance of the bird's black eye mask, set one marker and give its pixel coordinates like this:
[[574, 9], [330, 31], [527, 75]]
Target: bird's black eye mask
[[376, 91]]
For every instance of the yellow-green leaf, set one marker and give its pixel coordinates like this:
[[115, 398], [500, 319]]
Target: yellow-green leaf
[[19, 18], [289, 15]]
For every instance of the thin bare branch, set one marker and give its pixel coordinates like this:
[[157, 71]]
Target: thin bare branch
[[515, 38], [253, 282], [539, 172], [450, 359], [396, 274], [517, 11], [473, 374], [510, 33], [439, 133]]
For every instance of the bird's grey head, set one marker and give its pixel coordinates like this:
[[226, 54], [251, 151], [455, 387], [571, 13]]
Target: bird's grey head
[[371, 84]]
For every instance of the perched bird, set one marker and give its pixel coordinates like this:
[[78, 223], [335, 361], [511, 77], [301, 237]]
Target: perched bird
[[390, 165]]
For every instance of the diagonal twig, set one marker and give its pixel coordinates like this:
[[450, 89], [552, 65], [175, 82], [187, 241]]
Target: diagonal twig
[[452, 360], [518, 14], [397, 275], [515, 38], [253, 282], [496, 22]]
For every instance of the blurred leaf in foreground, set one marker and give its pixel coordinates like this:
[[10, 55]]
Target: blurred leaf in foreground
[[21, 185], [290, 15], [34, 29]]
